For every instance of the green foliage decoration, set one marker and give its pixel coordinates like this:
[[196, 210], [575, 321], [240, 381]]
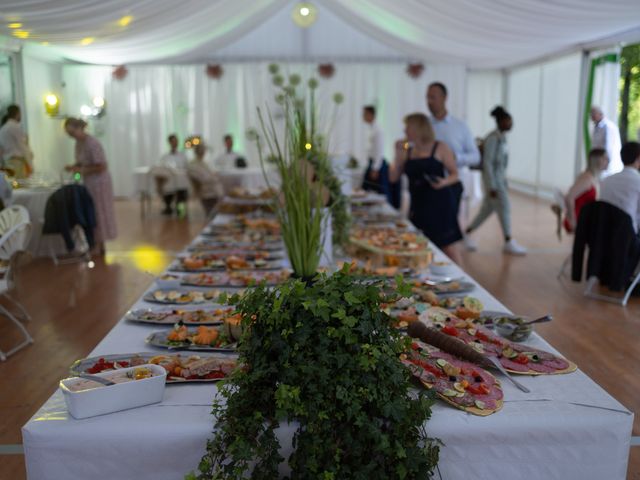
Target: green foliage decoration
[[323, 356]]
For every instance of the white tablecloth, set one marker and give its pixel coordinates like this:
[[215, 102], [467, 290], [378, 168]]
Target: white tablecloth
[[35, 201], [566, 428], [251, 178]]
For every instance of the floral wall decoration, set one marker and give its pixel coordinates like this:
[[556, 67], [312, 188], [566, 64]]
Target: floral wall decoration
[[326, 70], [215, 71], [415, 70], [120, 72]]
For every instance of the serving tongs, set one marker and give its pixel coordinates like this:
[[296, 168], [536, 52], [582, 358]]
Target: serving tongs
[[515, 326], [456, 347]]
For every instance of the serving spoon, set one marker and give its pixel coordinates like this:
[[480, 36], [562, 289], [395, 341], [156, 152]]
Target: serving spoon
[[97, 379]]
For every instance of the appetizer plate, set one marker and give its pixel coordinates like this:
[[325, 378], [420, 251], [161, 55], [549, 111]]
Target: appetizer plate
[[160, 340], [181, 297], [208, 316], [102, 363]]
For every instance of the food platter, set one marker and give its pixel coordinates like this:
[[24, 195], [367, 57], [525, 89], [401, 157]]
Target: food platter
[[204, 367], [235, 279], [187, 317], [232, 262], [194, 339], [182, 297]]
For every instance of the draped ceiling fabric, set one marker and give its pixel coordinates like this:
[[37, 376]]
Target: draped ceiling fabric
[[477, 33]]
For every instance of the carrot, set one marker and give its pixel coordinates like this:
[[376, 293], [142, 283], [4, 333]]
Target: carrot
[[447, 344]]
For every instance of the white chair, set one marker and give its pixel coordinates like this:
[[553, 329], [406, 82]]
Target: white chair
[[12, 244], [11, 216]]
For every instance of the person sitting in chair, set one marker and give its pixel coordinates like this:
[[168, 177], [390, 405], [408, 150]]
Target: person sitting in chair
[[206, 182], [584, 190], [171, 179], [229, 159], [623, 189]]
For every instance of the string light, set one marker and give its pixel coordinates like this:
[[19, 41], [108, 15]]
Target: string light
[[87, 41], [21, 33], [85, 110], [15, 25], [98, 102], [308, 146]]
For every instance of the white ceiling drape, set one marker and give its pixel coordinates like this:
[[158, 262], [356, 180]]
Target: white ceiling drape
[[477, 33]]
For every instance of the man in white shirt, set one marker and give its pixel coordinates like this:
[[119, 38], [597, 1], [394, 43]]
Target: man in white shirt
[[229, 160], [173, 170], [456, 134], [623, 189], [376, 177], [606, 136]]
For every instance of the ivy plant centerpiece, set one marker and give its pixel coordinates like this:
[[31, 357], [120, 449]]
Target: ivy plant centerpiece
[[322, 357]]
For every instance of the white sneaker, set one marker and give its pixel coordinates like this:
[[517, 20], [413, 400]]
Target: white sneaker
[[470, 244], [514, 248]]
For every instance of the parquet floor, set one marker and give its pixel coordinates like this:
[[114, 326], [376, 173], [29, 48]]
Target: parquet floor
[[74, 306]]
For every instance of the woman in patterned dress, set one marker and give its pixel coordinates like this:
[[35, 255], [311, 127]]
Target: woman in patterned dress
[[92, 165]]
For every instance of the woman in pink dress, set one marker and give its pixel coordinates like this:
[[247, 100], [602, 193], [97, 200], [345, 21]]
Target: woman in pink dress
[[92, 165]]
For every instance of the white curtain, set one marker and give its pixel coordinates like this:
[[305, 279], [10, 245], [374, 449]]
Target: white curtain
[[606, 79], [485, 90], [153, 101], [544, 101], [479, 33]]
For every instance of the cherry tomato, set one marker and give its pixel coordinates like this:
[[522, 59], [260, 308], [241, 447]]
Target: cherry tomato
[[453, 331]]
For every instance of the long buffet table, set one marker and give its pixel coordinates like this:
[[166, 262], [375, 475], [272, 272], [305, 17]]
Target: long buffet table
[[567, 427]]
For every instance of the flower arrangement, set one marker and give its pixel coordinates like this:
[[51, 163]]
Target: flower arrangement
[[120, 72], [414, 70], [308, 181], [214, 71]]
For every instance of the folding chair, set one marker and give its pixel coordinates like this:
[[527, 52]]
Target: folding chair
[[12, 245], [608, 234]]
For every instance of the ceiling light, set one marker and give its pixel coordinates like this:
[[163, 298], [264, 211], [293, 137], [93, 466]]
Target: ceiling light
[[51, 99], [304, 14], [126, 20], [15, 25], [87, 41]]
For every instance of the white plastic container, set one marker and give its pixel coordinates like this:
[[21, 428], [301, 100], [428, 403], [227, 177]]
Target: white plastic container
[[114, 398]]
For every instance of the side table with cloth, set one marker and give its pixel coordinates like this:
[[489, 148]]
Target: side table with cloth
[[567, 427], [35, 201]]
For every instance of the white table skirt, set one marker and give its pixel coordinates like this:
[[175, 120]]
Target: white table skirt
[[35, 201], [566, 428], [251, 178]]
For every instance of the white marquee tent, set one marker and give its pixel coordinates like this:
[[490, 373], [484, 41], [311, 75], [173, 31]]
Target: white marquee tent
[[533, 56]]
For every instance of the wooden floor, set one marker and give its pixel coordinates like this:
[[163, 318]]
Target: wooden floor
[[74, 306]]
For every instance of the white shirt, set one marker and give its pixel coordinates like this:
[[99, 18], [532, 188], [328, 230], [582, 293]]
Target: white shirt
[[375, 145], [458, 137], [226, 161], [6, 191], [623, 191], [607, 136], [174, 160], [13, 141]]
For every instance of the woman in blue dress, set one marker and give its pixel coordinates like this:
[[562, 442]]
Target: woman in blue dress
[[431, 169]]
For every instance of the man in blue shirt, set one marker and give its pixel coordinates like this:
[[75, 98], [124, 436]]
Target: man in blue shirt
[[456, 134]]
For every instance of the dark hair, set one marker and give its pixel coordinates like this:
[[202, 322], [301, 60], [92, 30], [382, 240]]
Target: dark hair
[[228, 136], [171, 137], [439, 85], [630, 152], [74, 123], [12, 112], [500, 114], [370, 109]]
